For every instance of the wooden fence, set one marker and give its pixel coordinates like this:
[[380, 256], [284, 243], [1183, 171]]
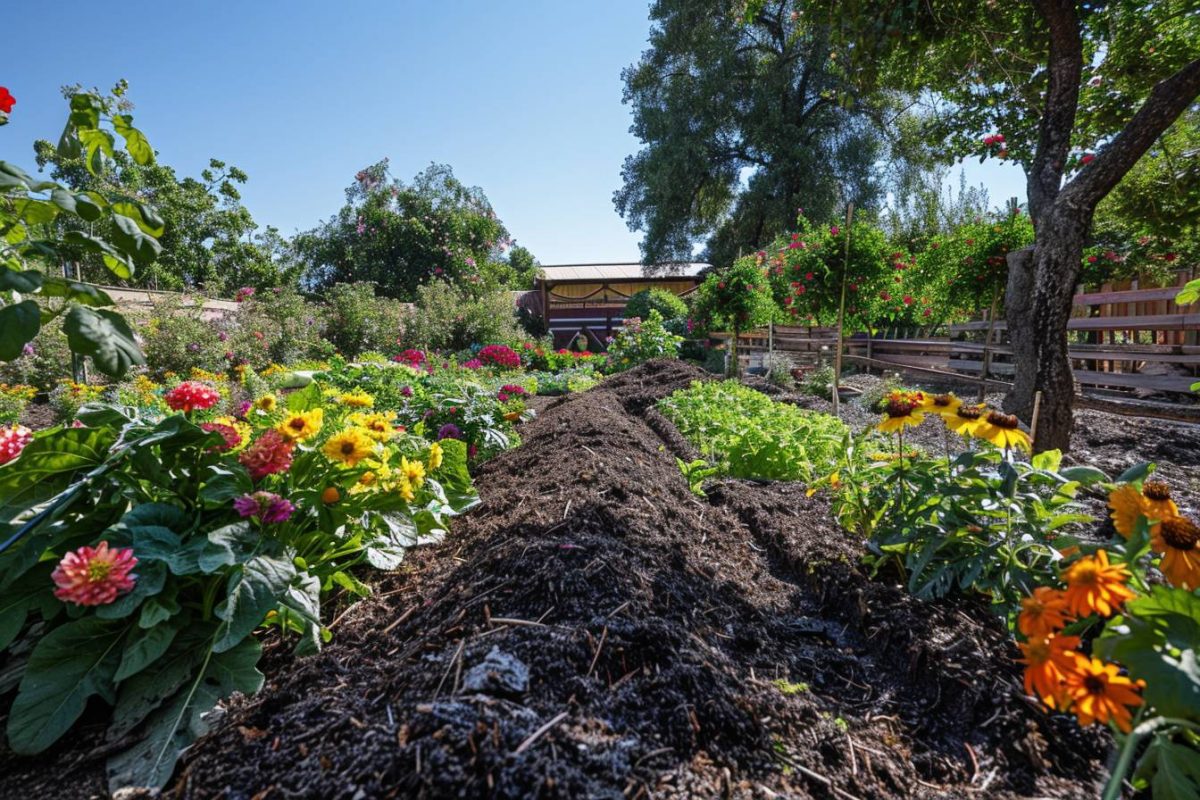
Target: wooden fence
[[1122, 340]]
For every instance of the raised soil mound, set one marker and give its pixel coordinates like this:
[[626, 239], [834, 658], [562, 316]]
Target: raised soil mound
[[596, 631]]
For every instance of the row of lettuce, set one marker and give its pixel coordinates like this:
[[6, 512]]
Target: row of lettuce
[[1106, 617], [151, 542]]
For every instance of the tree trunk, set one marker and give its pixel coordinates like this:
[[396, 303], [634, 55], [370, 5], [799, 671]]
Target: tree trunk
[[1041, 285]]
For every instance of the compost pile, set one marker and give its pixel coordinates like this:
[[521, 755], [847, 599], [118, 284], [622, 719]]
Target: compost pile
[[595, 630]]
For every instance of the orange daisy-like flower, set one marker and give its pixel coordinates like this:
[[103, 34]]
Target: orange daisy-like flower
[[1178, 539], [1157, 498], [1043, 612], [1094, 585], [94, 576], [1048, 660], [1098, 693], [1128, 507]]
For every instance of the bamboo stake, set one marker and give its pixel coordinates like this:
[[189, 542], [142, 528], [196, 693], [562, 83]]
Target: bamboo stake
[[987, 345], [837, 355], [1037, 409]]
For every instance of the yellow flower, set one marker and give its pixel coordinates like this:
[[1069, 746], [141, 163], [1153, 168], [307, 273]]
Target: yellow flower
[[1178, 539], [405, 489], [435, 456], [266, 403], [965, 420], [357, 400], [902, 409], [1128, 506], [242, 429], [349, 447], [373, 479], [943, 404], [302, 425], [1156, 497], [1003, 430], [413, 471], [378, 426]]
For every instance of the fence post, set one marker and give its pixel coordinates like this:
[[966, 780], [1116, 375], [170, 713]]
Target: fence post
[[837, 354], [985, 373]]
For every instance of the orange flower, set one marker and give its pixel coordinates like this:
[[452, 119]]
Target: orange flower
[[1178, 539], [1127, 506], [1043, 612], [1097, 693], [1048, 660], [1094, 585]]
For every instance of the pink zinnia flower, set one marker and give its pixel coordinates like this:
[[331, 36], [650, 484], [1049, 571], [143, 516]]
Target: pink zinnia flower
[[191, 396], [94, 576], [267, 455], [835, 230], [267, 506], [228, 433], [12, 441]]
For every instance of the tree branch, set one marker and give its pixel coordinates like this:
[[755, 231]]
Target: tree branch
[[1167, 101], [1062, 101]]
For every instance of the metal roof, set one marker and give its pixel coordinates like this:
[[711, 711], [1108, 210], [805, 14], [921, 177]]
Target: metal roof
[[610, 272]]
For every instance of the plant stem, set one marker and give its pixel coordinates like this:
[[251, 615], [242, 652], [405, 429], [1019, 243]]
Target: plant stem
[[1112, 791]]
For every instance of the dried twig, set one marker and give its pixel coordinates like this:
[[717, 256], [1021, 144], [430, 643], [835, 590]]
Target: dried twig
[[399, 620], [539, 733], [457, 655], [596, 655]]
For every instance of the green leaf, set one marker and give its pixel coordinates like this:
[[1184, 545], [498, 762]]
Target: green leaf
[[307, 398], [98, 144], [259, 587], [128, 236], [135, 140], [1084, 475], [35, 212], [85, 110], [1048, 460], [1136, 473], [90, 206], [223, 485], [18, 600], [83, 293], [1173, 770], [228, 545], [148, 688], [177, 724], [144, 648], [105, 336], [146, 217], [15, 281], [151, 575], [69, 665], [47, 464], [1189, 294], [19, 323]]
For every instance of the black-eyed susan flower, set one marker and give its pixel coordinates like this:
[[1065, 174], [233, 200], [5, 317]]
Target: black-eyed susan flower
[[405, 489], [965, 420], [301, 425], [1178, 539], [1004, 431], [435, 456], [266, 403], [349, 447], [413, 471], [379, 425], [1097, 692], [1159, 504], [902, 409], [1096, 586], [943, 404], [357, 399]]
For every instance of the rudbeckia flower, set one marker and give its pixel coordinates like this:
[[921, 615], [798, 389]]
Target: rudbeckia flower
[[902, 409], [301, 425], [378, 426], [944, 404], [405, 489], [1094, 585], [1047, 661], [965, 420], [357, 400], [1157, 496], [94, 576], [1003, 430], [435, 456], [266, 403], [1178, 539], [413, 471], [349, 447], [1128, 506], [1099, 693], [1043, 612]]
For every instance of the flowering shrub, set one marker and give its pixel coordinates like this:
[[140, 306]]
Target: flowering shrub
[[413, 358], [639, 341], [68, 397], [151, 549], [499, 355], [13, 400]]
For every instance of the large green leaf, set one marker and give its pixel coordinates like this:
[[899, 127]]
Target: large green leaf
[[259, 587], [47, 464], [105, 336], [146, 217], [19, 323], [128, 236], [98, 144], [135, 140], [27, 281], [147, 689], [83, 293], [143, 648], [180, 721], [35, 212], [69, 665], [1172, 770]]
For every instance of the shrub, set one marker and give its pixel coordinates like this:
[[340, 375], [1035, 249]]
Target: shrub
[[448, 318], [44, 362], [277, 326], [13, 400], [176, 338], [641, 340], [356, 320], [668, 304], [499, 355]]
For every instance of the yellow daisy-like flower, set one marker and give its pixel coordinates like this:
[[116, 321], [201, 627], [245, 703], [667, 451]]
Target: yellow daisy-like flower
[[1003, 430], [357, 400], [965, 420], [435, 456], [349, 447], [242, 429], [903, 409], [943, 404], [1178, 539], [405, 489], [302, 425], [373, 479], [1156, 496], [413, 471], [266, 403], [1128, 506], [379, 425]]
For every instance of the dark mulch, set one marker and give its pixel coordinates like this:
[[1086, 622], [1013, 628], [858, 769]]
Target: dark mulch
[[595, 630]]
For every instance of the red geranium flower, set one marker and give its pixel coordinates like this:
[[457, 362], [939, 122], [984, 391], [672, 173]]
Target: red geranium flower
[[6, 100], [190, 396]]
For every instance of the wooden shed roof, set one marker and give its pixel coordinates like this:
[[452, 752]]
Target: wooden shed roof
[[557, 273]]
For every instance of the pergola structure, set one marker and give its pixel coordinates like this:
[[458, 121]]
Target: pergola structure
[[589, 299]]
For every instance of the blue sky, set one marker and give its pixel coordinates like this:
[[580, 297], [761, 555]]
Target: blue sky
[[521, 98]]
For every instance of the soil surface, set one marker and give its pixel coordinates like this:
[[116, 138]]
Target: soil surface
[[595, 630]]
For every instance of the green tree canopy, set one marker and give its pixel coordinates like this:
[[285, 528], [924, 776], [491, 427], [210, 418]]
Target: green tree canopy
[[742, 125], [400, 236]]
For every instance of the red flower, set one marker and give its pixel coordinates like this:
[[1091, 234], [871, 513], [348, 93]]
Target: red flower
[[269, 454], [926, 312], [802, 290], [228, 433], [1087, 159], [908, 301], [999, 137], [1092, 259], [808, 276], [499, 355], [12, 441], [1170, 257], [834, 230], [6, 100], [884, 296], [190, 396], [94, 576]]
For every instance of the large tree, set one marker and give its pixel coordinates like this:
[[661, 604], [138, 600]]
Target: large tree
[[1079, 91], [742, 124]]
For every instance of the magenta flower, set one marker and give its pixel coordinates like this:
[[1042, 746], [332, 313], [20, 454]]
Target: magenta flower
[[268, 507], [12, 441]]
